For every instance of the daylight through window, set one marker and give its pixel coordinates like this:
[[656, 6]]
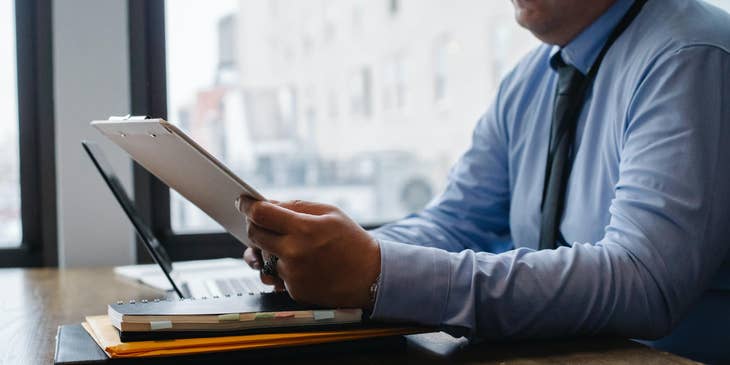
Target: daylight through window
[[362, 104], [10, 221]]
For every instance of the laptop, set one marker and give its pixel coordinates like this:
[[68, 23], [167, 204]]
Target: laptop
[[191, 279]]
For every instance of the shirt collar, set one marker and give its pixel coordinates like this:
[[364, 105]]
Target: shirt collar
[[583, 49]]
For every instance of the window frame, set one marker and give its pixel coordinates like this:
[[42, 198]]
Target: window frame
[[34, 52], [148, 85]]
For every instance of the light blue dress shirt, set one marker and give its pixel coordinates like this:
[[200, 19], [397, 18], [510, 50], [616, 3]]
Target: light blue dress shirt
[[648, 200]]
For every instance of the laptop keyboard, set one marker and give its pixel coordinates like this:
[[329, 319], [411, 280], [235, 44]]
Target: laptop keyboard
[[236, 285]]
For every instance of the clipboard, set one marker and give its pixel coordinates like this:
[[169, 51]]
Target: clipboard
[[183, 165]]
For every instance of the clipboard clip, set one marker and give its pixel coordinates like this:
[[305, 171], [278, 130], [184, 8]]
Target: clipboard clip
[[129, 117]]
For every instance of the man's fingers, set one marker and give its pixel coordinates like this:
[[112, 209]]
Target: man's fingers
[[252, 258], [265, 239], [271, 280], [260, 257], [273, 217]]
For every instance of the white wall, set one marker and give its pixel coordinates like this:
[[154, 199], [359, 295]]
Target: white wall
[[91, 81]]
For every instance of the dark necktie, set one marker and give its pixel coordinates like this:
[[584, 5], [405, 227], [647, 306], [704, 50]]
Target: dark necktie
[[571, 90], [568, 99]]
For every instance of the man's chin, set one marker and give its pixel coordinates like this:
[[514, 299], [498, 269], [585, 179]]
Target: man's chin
[[527, 19], [525, 13]]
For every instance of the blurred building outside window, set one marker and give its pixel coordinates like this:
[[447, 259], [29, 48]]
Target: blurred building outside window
[[440, 69], [361, 93], [335, 101]]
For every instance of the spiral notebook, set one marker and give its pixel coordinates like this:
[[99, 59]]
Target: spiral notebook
[[233, 314]]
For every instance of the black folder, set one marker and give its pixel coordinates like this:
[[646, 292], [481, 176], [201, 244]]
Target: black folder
[[75, 346]]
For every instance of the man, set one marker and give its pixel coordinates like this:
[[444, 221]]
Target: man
[[632, 201]]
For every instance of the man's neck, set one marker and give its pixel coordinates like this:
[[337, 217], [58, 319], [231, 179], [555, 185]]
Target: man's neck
[[575, 23]]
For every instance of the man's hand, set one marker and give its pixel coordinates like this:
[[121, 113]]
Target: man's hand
[[325, 258]]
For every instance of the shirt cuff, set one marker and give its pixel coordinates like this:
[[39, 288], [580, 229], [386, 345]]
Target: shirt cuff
[[414, 283]]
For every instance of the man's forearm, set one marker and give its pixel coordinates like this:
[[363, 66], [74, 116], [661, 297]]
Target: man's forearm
[[586, 289]]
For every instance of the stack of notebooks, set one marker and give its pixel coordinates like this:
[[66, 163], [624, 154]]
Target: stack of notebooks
[[159, 328], [231, 315]]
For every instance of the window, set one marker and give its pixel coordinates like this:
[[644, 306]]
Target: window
[[360, 92], [280, 105], [27, 193], [393, 7], [440, 68], [394, 84], [332, 101], [10, 220]]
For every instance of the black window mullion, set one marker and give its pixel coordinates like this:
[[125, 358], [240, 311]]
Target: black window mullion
[[36, 137]]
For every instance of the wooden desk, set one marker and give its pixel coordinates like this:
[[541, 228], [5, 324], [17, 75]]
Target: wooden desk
[[33, 302]]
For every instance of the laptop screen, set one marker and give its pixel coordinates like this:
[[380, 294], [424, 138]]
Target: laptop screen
[[158, 253]]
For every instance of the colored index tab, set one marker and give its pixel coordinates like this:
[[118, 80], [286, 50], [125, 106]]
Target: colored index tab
[[280, 315], [260, 316], [229, 317], [160, 325], [247, 316], [321, 315]]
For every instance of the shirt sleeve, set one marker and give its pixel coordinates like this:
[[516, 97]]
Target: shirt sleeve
[[667, 234], [473, 210]]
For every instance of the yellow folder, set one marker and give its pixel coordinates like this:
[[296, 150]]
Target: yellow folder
[[106, 336]]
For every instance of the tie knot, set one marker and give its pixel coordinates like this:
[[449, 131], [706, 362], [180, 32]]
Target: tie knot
[[569, 77]]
